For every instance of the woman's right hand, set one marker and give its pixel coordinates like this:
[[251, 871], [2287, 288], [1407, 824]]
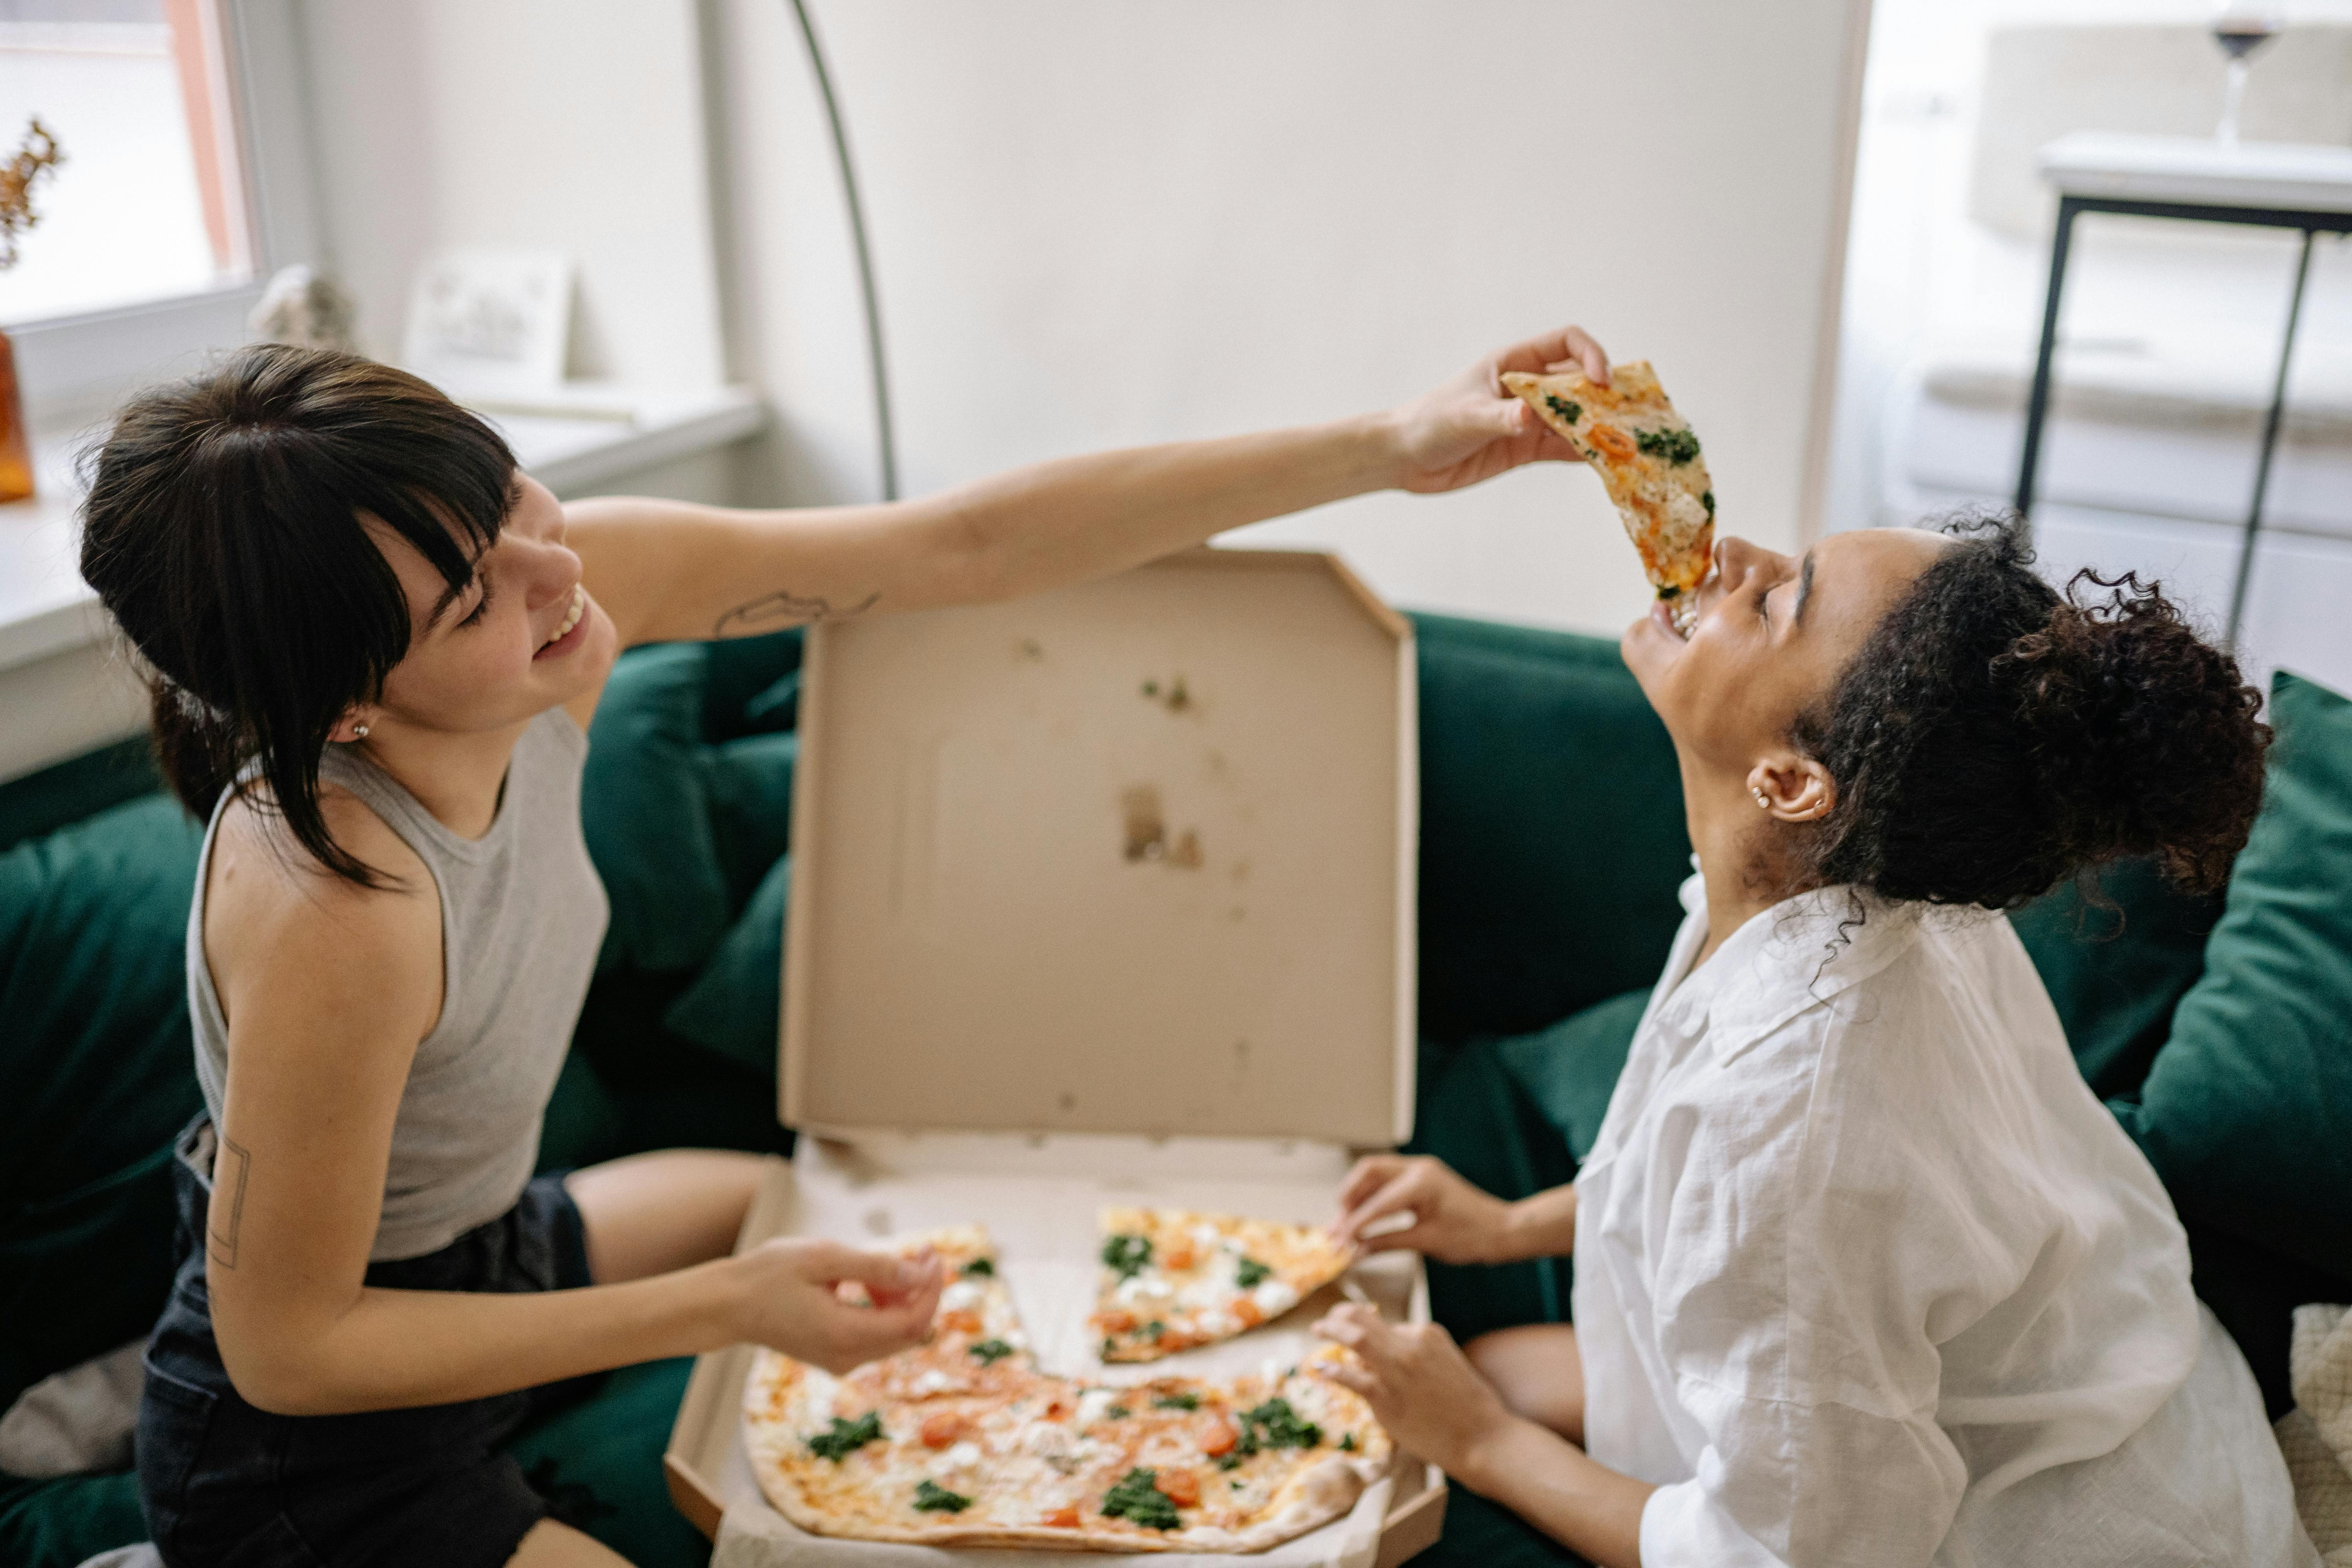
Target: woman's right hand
[[791, 1299], [1453, 1221]]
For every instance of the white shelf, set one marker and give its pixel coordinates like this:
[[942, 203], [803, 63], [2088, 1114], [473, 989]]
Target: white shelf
[[45, 608], [2199, 171]]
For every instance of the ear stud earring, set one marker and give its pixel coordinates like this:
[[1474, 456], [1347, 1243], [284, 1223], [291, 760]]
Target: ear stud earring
[[359, 732], [1761, 800]]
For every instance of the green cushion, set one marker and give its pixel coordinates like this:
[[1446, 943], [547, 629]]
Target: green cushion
[[63, 1522], [80, 786], [2247, 1112], [734, 1006], [685, 800], [2117, 973], [1569, 1071], [96, 1053], [1552, 828], [600, 1463]]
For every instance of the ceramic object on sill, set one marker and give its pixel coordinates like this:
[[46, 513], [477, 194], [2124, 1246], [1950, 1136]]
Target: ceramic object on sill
[[15, 450]]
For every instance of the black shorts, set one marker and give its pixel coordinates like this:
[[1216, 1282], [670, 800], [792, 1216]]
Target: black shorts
[[224, 1483]]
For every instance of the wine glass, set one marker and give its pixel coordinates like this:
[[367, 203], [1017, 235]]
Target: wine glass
[[2240, 28]]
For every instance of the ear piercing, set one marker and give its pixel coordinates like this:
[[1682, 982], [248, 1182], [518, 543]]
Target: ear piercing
[[359, 732], [1760, 799]]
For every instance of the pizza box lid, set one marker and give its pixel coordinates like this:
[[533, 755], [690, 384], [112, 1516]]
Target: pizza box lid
[[1134, 857]]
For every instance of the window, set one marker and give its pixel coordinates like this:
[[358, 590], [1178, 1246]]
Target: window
[[149, 203]]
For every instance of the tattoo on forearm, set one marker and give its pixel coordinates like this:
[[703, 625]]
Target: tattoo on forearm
[[229, 1168], [772, 611]]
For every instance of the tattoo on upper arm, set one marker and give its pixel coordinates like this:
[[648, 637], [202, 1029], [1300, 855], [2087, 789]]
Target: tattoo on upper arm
[[774, 611], [230, 1165]]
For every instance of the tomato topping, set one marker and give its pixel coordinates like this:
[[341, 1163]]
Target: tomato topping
[[1247, 1310], [1065, 1517], [941, 1427], [1612, 441], [1219, 1437], [1179, 1256], [1115, 1321], [1182, 1488], [960, 1322]]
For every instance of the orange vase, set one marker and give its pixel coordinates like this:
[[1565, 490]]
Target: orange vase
[[15, 451]]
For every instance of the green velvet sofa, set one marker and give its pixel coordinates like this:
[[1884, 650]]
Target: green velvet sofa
[[1552, 843]]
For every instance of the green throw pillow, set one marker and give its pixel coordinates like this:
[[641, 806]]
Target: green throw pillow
[[1552, 828], [2247, 1112], [96, 1053]]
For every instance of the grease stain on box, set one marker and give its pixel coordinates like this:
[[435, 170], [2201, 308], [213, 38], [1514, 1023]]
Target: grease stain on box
[[1145, 831]]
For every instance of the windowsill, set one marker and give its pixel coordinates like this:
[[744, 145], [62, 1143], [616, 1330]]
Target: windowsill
[[45, 608]]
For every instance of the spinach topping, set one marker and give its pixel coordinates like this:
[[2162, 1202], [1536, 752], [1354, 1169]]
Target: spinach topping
[[1116, 1413], [1125, 1255], [1677, 446], [847, 1436], [1347, 1443], [1138, 1502], [991, 1352], [1707, 499], [1185, 1401], [1154, 1329], [933, 1498], [1560, 405], [1229, 1462], [1109, 1345], [1250, 1272], [980, 1268], [1274, 1425]]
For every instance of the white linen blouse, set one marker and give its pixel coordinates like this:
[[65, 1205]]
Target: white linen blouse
[[1865, 1275]]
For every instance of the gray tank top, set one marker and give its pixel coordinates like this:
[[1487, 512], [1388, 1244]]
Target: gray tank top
[[522, 914]]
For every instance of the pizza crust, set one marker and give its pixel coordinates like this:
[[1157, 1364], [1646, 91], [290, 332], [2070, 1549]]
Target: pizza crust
[[1648, 460]]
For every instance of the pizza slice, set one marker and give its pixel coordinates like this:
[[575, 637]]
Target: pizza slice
[[1172, 1279], [1176, 1464], [1649, 461]]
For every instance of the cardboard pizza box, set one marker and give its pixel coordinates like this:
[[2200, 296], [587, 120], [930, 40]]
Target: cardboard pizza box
[[1101, 897]]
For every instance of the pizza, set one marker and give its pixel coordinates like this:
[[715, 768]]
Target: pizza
[[1172, 1279], [1647, 458], [961, 1441]]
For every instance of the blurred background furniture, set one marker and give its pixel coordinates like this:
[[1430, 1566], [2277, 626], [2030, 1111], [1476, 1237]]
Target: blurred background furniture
[[2194, 180]]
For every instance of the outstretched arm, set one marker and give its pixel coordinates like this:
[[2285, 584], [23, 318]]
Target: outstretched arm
[[666, 569]]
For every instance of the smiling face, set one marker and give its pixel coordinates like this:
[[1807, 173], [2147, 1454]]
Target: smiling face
[[1773, 634], [521, 638]]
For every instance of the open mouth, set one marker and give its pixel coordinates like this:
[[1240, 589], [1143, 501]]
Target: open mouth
[[569, 633]]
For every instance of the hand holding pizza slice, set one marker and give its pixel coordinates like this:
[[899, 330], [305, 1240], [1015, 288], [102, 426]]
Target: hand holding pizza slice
[[1648, 458]]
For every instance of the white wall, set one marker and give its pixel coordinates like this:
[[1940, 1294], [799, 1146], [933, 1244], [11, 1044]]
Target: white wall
[[1110, 223], [575, 124]]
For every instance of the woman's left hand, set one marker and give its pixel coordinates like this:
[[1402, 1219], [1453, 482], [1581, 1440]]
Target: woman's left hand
[[1418, 1383], [1470, 428]]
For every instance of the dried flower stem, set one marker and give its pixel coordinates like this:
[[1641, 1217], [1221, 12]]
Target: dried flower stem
[[39, 155]]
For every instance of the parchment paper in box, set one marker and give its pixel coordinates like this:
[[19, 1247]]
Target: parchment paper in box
[[1101, 897]]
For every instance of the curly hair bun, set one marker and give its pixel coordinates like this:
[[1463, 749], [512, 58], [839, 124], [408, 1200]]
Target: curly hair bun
[[1994, 736], [2144, 733]]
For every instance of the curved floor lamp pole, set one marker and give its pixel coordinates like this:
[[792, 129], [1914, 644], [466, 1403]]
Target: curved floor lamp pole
[[864, 255]]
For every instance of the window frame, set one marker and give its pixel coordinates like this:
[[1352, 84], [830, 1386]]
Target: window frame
[[73, 368]]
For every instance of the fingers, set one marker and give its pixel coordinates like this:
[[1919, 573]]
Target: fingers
[[1396, 1197], [1556, 350], [1373, 1172], [886, 1276]]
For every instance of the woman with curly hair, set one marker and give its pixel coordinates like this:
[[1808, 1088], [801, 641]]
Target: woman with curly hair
[[375, 646], [1864, 1273]]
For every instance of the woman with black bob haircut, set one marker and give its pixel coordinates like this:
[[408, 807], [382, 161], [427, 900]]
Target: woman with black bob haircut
[[1864, 1273], [375, 647]]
